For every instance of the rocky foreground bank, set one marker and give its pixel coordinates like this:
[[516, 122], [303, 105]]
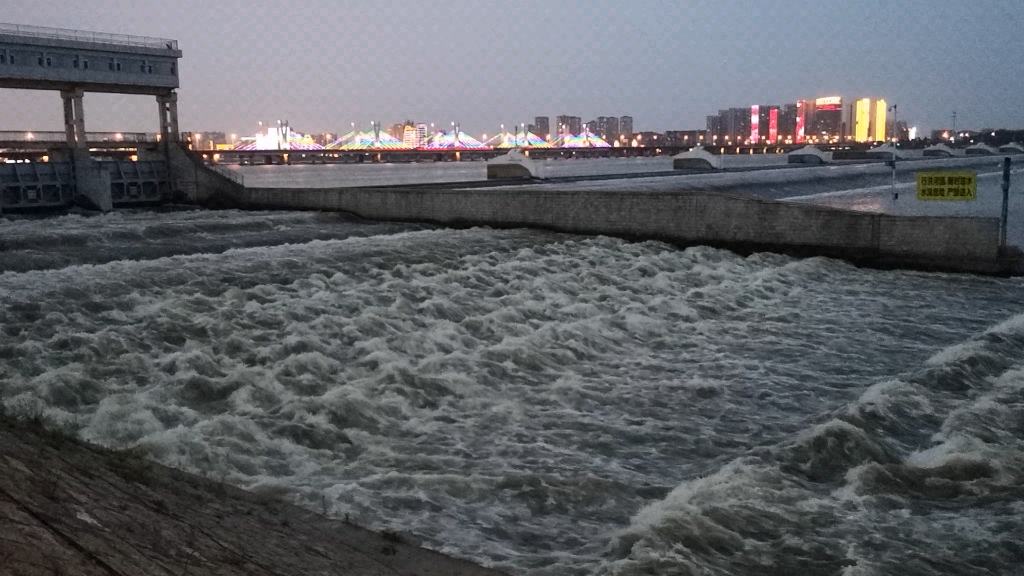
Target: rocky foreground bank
[[67, 508]]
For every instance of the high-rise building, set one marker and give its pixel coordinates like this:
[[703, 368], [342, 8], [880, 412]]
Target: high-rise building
[[804, 118], [542, 127], [730, 126], [787, 123], [608, 128], [714, 129], [862, 120], [827, 118], [592, 127], [569, 124], [879, 119], [739, 128], [901, 131], [766, 118], [626, 127], [867, 120], [755, 124], [397, 131]]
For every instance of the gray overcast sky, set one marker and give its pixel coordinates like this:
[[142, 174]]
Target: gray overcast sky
[[322, 64]]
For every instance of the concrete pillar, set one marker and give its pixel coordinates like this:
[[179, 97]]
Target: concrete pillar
[[173, 109], [165, 125], [69, 117], [92, 182], [79, 108], [169, 116]]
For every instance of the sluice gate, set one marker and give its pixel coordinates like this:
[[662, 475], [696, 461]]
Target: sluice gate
[[33, 186]]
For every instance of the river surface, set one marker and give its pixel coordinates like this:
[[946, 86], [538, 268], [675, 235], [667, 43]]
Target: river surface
[[542, 403]]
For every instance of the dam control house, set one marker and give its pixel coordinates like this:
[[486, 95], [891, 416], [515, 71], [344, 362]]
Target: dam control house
[[73, 63]]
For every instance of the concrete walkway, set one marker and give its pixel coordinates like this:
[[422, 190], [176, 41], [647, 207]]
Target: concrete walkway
[[879, 200]]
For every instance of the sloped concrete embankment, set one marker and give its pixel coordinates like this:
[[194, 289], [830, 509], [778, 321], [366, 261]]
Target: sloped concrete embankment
[[195, 182], [68, 508]]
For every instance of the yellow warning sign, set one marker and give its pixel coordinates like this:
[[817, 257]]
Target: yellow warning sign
[[947, 185]]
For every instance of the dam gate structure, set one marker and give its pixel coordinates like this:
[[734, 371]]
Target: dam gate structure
[[74, 62]]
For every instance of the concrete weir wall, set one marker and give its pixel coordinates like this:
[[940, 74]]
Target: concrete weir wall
[[196, 182], [687, 218]]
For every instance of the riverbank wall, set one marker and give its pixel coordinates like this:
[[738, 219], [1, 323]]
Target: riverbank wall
[[68, 507], [735, 222]]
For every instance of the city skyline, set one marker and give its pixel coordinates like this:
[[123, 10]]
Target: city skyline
[[324, 65]]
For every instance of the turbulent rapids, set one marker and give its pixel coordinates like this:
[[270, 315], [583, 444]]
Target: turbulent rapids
[[543, 403]]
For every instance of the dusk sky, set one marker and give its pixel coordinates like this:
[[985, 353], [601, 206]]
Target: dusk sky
[[669, 63]]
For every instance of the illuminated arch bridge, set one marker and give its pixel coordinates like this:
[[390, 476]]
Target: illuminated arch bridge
[[377, 140]]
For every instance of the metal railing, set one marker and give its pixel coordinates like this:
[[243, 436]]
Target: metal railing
[[84, 36], [58, 137]]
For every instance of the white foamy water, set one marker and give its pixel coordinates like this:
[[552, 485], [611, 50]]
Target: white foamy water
[[544, 403]]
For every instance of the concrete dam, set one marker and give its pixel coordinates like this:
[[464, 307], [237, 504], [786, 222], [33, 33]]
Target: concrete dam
[[682, 210]]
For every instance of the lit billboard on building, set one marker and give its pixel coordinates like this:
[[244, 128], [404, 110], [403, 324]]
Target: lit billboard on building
[[830, 103], [755, 124], [773, 125]]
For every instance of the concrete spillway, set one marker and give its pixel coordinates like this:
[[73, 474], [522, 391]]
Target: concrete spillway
[[683, 217]]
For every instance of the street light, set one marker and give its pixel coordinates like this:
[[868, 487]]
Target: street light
[[895, 123]]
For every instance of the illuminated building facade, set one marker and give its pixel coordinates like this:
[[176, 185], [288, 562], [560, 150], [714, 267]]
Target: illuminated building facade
[[800, 122], [827, 119], [755, 123], [878, 130], [861, 120], [868, 118], [409, 137], [787, 123]]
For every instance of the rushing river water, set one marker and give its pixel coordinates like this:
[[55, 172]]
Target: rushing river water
[[543, 403]]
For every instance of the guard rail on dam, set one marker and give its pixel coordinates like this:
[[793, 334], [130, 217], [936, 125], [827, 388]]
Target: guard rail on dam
[[689, 217]]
